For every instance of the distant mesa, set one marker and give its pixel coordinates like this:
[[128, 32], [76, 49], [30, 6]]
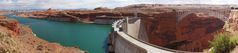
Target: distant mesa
[[102, 8]]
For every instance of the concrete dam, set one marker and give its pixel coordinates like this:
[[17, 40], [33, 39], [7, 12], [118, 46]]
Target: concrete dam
[[129, 34]]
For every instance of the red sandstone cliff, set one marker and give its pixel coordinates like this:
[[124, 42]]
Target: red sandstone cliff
[[199, 28], [161, 28], [10, 24], [192, 33]]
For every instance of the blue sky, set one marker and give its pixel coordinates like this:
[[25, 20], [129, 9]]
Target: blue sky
[[75, 4]]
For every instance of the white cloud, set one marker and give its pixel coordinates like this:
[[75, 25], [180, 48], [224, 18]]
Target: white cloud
[[69, 4], [6, 2]]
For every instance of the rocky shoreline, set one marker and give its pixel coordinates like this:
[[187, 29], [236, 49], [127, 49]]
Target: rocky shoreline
[[18, 38]]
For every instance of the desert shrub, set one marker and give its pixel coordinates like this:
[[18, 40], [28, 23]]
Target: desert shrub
[[234, 39], [5, 39], [7, 50], [222, 43], [2, 35]]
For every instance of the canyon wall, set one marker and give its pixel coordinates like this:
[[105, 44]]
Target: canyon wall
[[197, 29], [161, 28], [192, 33]]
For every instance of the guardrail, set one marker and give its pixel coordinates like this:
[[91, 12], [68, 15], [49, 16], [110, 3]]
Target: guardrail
[[150, 48]]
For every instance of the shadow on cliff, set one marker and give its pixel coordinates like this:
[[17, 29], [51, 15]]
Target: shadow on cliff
[[192, 33]]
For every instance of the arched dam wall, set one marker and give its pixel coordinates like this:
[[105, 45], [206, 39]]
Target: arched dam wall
[[129, 36], [122, 42]]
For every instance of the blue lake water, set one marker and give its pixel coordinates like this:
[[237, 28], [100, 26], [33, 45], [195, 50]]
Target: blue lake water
[[89, 37]]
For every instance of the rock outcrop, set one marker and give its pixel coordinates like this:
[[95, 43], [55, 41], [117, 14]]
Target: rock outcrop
[[102, 8], [198, 29], [10, 24], [192, 33], [161, 28]]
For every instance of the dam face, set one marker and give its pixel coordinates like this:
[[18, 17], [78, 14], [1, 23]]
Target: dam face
[[133, 35]]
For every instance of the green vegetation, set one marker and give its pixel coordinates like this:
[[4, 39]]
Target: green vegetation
[[223, 43]]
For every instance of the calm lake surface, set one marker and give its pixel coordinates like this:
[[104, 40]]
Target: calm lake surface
[[89, 37]]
